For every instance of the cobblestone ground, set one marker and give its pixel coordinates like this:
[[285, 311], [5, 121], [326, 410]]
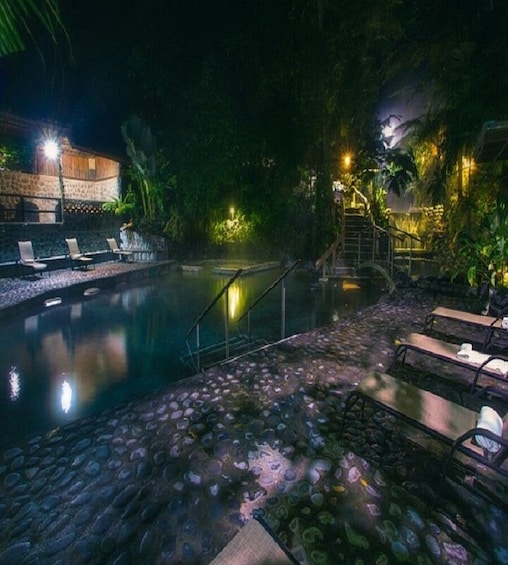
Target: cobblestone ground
[[172, 477]]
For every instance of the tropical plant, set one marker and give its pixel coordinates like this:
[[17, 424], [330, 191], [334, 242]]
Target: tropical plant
[[16, 21], [142, 149], [121, 206], [474, 244]]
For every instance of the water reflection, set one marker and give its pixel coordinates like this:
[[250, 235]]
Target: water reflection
[[81, 357], [14, 384], [66, 399], [235, 300]]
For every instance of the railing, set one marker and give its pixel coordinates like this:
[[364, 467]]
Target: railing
[[196, 324], [330, 252], [412, 239], [17, 208], [280, 280]]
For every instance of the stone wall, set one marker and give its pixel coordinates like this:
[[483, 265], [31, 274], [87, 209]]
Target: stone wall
[[48, 240], [16, 183], [32, 211]]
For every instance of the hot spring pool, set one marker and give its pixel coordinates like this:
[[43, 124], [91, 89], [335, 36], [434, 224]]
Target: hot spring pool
[[77, 358]]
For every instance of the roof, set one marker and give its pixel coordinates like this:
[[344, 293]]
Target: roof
[[27, 128], [493, 142]]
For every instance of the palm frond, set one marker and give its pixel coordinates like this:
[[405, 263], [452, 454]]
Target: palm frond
[[17, 18]]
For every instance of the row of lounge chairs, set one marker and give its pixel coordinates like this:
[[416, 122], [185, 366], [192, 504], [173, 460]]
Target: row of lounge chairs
[[475, 429], [77, 259], [479, 436]]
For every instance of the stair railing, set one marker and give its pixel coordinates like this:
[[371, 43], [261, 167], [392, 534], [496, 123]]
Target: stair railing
[[197, 323], [330, 252], [377, 233], [412, 239], [280, 280]]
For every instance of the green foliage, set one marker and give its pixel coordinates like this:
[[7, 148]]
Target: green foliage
[[14, 157], [232, 230], [474, 245], [141, 147], [16, 21], [121, 206]]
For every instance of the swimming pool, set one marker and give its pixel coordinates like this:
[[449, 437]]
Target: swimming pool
[[77, 358]]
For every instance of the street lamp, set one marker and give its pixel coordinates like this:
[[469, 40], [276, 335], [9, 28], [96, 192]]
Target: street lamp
[[53, 151], [347, 161]]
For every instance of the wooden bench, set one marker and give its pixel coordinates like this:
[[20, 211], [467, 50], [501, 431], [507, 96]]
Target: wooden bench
[[449, 422], [481, 364], [487, 324]]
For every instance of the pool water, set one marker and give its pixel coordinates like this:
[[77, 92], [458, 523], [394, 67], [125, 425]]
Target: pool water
[[82, 356]]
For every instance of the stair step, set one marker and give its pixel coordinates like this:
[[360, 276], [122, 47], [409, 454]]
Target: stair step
[[216, 353]]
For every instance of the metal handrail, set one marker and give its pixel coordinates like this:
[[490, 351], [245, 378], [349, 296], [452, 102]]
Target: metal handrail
[[331, 251], [195, 325], [213, 302], [410, 235], [266, 291]]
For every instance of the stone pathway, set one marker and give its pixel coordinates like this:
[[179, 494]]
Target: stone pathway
[[172, 477]]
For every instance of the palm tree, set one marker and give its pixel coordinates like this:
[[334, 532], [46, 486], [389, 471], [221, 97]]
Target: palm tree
[[17, 18]]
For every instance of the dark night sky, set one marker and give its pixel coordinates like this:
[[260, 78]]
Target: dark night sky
[[91, 89], [86, 89]]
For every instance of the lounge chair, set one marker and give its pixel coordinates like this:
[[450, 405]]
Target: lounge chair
[[493, 368], [27, 258], [488, 324], [449, 422], [255, 543], [128, 255], [76, 258]]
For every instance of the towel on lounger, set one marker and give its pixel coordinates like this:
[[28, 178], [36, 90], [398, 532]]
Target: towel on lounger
[[489, 420]]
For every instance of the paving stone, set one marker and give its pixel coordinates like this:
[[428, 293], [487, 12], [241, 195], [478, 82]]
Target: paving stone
[[173, 476]]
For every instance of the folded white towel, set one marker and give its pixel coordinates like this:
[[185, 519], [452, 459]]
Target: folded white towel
[[478, 358], [489, 420]]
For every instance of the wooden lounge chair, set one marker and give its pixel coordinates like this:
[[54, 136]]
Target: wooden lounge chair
[[76, 258], [255, 544], [27, 260], [449, 422], [493, 368], [487, 324], [127, 255]]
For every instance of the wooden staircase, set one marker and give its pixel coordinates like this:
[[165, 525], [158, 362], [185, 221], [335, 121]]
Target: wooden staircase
[[359, 243], [358, 239]]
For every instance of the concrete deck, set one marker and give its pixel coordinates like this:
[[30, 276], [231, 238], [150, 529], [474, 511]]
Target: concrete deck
[[172, 477]]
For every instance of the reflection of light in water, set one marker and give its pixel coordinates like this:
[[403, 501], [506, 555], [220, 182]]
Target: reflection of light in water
[[76, 311], [233, 300], [66, 396], [349, 285], [31, 324], [14, 384]]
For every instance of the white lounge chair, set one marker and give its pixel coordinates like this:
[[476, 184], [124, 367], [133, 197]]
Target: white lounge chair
[[75, 256], [27, 258], [128, 255]]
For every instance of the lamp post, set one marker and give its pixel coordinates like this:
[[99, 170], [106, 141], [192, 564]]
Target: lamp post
[[53, 151]]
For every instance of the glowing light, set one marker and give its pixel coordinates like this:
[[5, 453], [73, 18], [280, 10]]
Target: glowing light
[[347, 160], [66, 399], [387, 131], [51, 149], [349, 285], [232, 211], [233, 300], [14, 384], [468, 163]]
